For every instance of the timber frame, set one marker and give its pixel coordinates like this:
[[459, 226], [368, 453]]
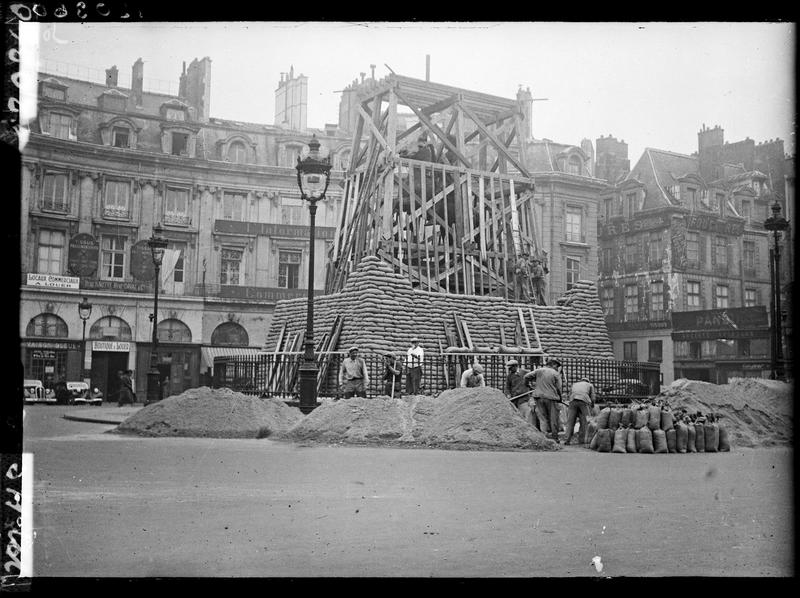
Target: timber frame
[[456, 224]]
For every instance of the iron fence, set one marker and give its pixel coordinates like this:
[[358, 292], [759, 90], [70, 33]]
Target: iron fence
[[276, 375]]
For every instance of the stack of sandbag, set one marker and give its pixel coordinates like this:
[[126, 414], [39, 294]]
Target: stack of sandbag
[[652, 429]]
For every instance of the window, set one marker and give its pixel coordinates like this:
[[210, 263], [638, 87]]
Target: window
[[654, 351], [54, 193], [691, 196], [47, 325], [656, 300], [173, 331], [693, 249], [233, 206], [237, 153], [51, 251], [721, 252], [115, 199], [630, 201], [743, 346], [573, 270], [230, 334], [695, 350], [180, 142], [176, 206], [721, 296], [631, 251], [606, 256], [607, 300], [60, 125], [54, 93], [178, 269], [630, 351], [291, 153], [230, 265], [631, 302], [121, 137], [574, 165], [289, 269], [608, 207], [113, 250], [749, 256], [655, 248], [747, 211], [111, 327], [574, 231], [174, 114], [693, 294], [750, 298], [719, 199]]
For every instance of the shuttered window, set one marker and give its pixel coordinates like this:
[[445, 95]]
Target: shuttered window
[[720, 296], [631, 302], [693, 294], [750, 298]]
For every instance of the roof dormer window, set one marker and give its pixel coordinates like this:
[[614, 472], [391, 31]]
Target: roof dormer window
[[53, 89], [174, 114], [574, 165], [120, 132]]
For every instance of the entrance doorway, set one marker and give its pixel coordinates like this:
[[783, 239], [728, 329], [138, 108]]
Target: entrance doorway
[[105, 366]]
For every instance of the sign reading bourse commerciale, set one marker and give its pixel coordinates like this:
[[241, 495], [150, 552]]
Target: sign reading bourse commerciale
[[84, 255]]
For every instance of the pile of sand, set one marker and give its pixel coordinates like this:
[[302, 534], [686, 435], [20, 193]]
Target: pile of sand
[[470, 418], [214, 413], [755, 411]]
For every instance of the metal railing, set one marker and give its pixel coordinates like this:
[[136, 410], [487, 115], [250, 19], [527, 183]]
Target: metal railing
[[275, 375]]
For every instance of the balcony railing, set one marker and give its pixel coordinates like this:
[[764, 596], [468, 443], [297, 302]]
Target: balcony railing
[[116, 213], [176, 219], [54, 206]]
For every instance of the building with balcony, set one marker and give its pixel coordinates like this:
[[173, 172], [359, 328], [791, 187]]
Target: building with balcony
[[103, 165], [684, 274]]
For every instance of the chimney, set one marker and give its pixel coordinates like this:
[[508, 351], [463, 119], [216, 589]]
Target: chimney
[[137, 81], [372, 68], [112, 76], [427, 67], [525, 102], [362, 77]]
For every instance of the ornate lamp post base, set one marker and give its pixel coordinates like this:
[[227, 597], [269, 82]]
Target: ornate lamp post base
[[307, 375], [153, 387]]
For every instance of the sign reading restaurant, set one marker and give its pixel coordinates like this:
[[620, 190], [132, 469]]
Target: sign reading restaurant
[[266, 229], [53, 281]]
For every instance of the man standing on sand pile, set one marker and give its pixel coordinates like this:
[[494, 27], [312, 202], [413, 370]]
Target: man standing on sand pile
[[581, 400], [548, 395], [353, 375]]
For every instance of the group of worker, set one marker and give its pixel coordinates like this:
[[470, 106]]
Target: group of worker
[[537, 394]]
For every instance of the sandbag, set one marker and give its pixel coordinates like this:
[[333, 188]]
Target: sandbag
[[614, 418], [711, 437], [666, 420], [691, 445], [681, 437], [602, 418], [604, 440], [630, 441], [594, 441], [591, 429], [640, 417], [671, 440], [660, 441], [644, 440], [626, 419], [724, 442], [620, 438], [654, 418], [699, 437]]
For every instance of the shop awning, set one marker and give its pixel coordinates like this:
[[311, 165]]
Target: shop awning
[[209, 353]]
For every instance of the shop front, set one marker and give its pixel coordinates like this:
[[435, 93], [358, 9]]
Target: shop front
[[51, 361], [178, 359]]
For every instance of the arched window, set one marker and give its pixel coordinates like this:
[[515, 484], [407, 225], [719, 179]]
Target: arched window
[[174, 331], [111, 328], [49, 325], [237, 153], [230, 334], [574, 165], [343, 160]]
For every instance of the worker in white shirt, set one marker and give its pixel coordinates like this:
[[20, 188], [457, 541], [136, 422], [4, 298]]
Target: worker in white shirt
[[414, 358]]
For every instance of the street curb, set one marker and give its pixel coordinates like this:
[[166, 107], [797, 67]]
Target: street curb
[[92, 420]]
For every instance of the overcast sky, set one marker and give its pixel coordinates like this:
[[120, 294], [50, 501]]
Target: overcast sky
[[650, 84]]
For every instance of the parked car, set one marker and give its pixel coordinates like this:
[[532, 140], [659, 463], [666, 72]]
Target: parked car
[[82, 394], [34, 392]]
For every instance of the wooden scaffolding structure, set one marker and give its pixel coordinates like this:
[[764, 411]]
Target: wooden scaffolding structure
[[456, 221]]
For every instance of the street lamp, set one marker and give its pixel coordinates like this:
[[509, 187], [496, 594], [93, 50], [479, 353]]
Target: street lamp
[[776, 223], [157, 245], [84, 311], [313, 176]]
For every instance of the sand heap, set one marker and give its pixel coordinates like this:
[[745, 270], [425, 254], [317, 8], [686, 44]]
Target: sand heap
[[755, 411], [213, 413], [469, 418]]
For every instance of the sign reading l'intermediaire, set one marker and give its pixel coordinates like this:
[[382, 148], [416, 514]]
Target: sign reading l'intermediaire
[[53, 281], [267, 229]]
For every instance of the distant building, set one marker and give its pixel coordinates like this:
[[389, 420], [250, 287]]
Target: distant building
[[684, 274]]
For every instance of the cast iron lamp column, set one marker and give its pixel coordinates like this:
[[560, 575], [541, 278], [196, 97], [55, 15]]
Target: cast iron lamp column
[[313, 176], [776, 223], [157, 245], [84, 311]]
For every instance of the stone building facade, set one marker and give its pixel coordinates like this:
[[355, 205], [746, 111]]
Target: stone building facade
[[684, 275], [104, 165]]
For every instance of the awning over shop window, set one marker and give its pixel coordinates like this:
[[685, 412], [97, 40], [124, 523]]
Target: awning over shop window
[[209, 353]]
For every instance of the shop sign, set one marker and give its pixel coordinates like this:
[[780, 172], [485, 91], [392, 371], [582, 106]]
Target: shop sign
[[654, 325], [721, 320], [268, 229], [49, 369], [84, 252], [118, 346], [142, 267], [66, 345], [53, 281], [714, 225], [720, 334], [128, 286], [262, 293], [649, 222]]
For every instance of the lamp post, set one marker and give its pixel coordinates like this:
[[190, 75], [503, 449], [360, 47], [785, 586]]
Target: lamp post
[[313, 176], [84, 311], [157, 245], [776, 223]]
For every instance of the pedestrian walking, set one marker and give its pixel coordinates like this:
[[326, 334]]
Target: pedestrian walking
[[548, 396], [391, 375], [125, 388], [517, 390], [353, 375], [414, 358], [581, 400], [473, 377]]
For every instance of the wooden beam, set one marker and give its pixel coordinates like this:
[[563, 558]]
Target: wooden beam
[[374, 129], [441, 104], [494, 140], [388, 189]]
